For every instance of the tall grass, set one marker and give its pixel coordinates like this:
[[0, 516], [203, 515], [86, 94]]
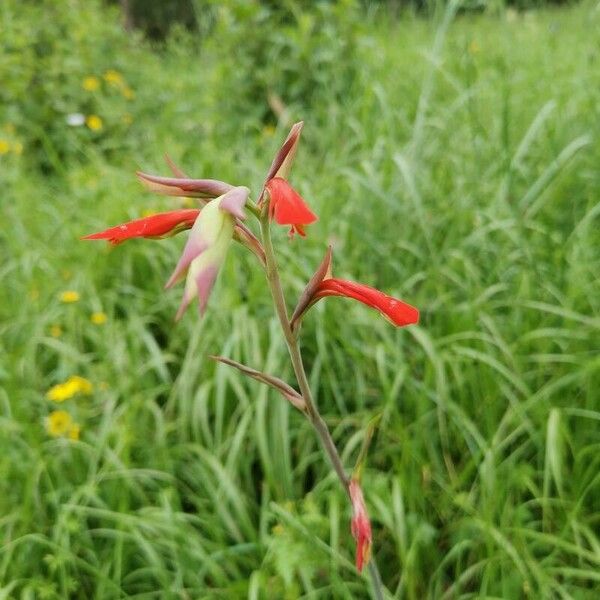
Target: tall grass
[[460, 171]]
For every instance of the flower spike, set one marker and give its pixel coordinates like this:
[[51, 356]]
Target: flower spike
[[322, 284], [157, 226], [287, 207]]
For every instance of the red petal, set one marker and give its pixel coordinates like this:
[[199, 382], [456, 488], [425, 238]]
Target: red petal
[[287, 206], [396, 311], [155, 226]]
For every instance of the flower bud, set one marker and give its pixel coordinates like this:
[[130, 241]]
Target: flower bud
[[207, 247]]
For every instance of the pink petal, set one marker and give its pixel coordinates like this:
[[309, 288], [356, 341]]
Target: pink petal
[[233, 202], [205, 280], [193, 248]]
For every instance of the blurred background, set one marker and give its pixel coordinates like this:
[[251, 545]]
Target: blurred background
[[452, 153]]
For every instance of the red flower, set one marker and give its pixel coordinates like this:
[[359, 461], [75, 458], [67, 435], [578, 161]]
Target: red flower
[[360, 525], [322, 284], [156, 226], [397, 312], [287, 207]]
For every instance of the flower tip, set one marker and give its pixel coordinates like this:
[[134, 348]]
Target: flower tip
[[416, 317], [174, 168], [402, 314], [146, 178]]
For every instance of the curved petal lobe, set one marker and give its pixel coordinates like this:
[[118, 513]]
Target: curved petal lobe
[[155, 227], [397, 312], [287, 207]]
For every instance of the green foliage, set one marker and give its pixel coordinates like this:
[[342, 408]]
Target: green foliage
[[157, 18], [461, 174], [56, 69], [269, 57]]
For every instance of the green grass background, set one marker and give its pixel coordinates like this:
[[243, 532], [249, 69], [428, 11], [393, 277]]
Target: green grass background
[[454, 162]]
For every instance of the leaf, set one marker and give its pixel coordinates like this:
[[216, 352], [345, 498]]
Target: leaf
[[287, 391]]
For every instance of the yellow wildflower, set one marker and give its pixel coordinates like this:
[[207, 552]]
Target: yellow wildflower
[[278, 529], [268, 130], [98, 318], [62, 391], [94, 122], [74, 385], [18, 148], [55, 331], [83, 385], [113, 77], [58, 423], [128, 93], [74, 432], [91, 83], [4, 147], [69, 296]]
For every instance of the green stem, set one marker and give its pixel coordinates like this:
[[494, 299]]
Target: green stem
[[312, 412], [253, 208]]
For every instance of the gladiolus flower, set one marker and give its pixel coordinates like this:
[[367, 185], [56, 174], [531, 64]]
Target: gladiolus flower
[[360, 525], [155, 227], [205, 189], [397, 312], [288, 207], [207, 246], [322, 284]]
